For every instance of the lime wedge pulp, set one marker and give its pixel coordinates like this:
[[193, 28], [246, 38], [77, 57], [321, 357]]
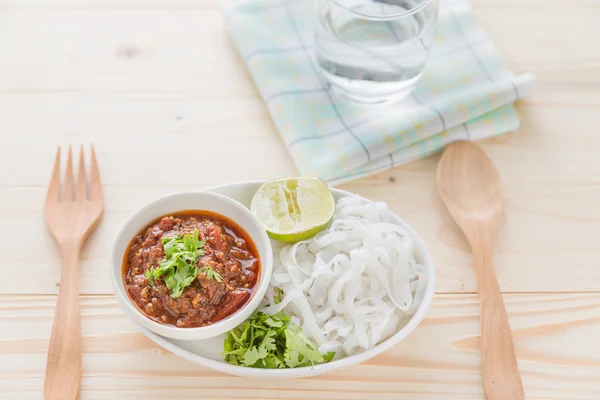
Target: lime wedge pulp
[[293, 209]]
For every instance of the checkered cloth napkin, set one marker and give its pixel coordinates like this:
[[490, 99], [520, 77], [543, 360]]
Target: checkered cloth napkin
[[465, 93]]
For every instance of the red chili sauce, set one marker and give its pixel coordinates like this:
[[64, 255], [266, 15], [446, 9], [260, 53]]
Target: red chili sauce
[[228, 250]]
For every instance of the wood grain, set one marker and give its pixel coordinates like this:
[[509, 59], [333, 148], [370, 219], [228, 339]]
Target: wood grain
[[471, 189], [193, 45], [439, 361], [136, 76], [72, 211]]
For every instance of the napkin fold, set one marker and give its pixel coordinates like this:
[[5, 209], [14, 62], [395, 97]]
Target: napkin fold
[[464, 94]]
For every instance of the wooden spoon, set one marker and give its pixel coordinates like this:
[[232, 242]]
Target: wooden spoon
[[470, 188]]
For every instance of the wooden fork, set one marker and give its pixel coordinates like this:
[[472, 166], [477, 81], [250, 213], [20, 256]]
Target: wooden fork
[[71, 215]]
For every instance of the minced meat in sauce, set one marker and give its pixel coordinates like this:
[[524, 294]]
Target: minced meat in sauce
[[228, 250]]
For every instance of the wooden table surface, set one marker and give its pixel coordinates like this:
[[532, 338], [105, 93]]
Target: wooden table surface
[[142, 78]]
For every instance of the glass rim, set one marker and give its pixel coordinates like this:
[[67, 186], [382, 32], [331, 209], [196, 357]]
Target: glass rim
[[406, 13]]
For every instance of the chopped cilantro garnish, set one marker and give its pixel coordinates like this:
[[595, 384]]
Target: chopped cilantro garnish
[[150, 276], [271, 341], [212, 274], [178, 269]]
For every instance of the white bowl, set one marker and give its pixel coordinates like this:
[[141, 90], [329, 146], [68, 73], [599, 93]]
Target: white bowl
[[205, 201]]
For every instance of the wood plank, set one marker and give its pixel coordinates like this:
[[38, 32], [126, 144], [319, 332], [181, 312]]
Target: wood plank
[[110, 4], [58, 117], [163, 161], [81, 54], [85, 116], [116, 4], [552, 334]]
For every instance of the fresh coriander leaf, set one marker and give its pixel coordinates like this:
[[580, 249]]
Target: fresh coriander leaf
[[268, 342], [166, 239], [212, 274], [170, 282], [176, 292], [292, 359], [169, 245], [199, 244], [237, 352], [271, 341], [183, 276], [251, 333], [178, 268], [259, 334], [259, 327], [282, 317], [252, 356], [166, 264], [273, 323], [188, 256], [185, 273], [280, 356], [188, 244], [150, 276], [272, 361], [237, 339], [229, 343], [297, 343], [231, 359], [245, 332]]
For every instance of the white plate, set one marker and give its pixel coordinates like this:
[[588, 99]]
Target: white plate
[[207, 352]]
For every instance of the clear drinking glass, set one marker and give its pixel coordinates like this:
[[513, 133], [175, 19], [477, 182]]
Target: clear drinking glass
[[373, 51]]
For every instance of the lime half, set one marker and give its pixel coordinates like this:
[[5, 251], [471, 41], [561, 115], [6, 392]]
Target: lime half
[[293, 209]]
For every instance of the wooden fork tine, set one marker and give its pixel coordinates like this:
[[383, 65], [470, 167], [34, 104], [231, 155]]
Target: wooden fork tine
[[96, 184], [67, 193], [53, 194], [81, 177]]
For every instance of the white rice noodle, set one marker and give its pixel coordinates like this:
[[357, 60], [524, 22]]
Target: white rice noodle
[[350, 286]]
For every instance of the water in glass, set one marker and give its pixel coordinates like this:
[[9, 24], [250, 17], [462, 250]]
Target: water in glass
[[373, 51]]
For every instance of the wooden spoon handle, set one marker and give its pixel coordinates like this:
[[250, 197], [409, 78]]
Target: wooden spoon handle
[[501, 377], [63, 367]]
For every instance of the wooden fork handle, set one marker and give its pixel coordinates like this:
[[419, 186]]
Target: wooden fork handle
[[63, 367], [501, 377]]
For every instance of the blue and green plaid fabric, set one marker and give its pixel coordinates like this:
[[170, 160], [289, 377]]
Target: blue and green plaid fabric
[[465, 93]]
